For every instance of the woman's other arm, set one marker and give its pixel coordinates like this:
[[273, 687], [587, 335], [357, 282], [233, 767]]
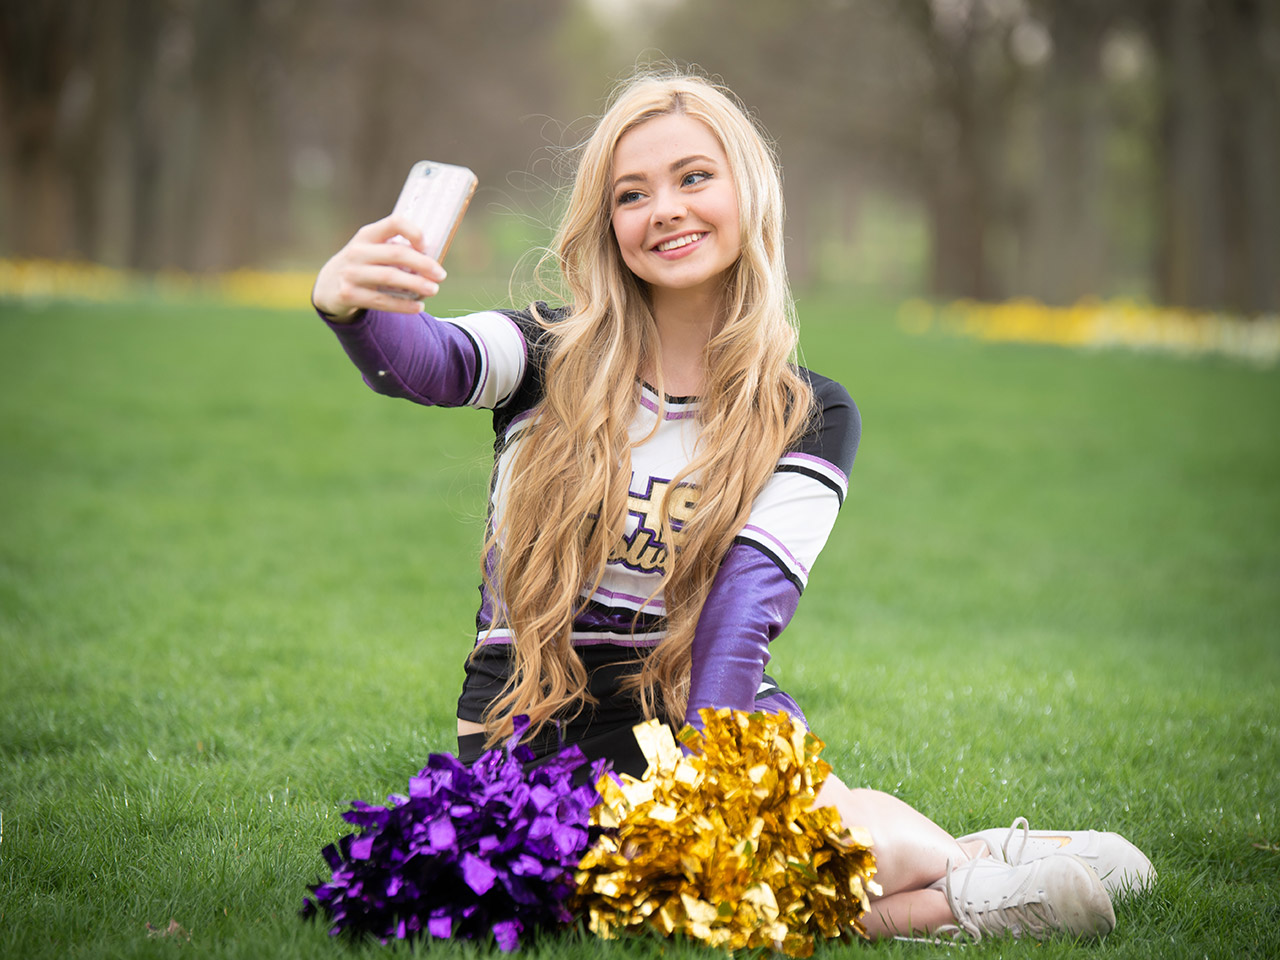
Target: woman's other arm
[[759, 584]]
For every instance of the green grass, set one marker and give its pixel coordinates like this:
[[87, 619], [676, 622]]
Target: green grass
[[235, 590]]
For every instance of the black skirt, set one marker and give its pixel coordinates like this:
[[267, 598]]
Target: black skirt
[[601, 730]]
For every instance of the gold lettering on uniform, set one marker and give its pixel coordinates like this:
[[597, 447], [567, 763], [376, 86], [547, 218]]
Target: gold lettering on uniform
[[633, 553], [682, 503], [645, 551]]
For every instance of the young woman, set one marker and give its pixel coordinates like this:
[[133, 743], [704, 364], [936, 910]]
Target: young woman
[[665, 477]]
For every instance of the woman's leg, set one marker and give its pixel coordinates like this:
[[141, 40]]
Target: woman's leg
[[915, 914], [912, 852], [1055, 894]]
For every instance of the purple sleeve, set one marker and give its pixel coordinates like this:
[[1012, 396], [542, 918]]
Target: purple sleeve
[[750, 603], [414, 356]]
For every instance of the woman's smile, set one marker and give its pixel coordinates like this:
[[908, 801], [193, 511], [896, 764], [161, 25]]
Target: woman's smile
[[679, 246]]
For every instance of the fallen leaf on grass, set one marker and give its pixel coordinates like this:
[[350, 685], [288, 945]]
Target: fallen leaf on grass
[[174, 929]]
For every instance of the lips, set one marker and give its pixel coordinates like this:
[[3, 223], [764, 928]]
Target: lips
[[675, 243]]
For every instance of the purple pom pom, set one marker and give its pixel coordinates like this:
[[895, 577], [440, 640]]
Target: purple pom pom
[[471, 852]]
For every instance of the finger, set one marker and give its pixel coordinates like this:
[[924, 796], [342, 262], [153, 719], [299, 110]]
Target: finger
[[409, 230], [389, 303], [380, 231], [380, 278], [399, 255], [370, 299], [395, 230], [394, 227]]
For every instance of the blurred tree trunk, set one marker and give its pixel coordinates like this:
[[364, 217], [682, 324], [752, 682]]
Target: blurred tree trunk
[[955, 202], [107, 184], [41, 45], [139, 131], [1219, 203], [963, 144], [221, 193], [1191, 257], [956, 195], [1250, 152], [1065, 245], [226, 183]]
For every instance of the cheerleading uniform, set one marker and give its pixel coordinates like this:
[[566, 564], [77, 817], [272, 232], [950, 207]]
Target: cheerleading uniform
[[496, 360]]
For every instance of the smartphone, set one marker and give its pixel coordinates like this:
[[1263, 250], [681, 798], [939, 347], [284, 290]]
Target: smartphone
[[435, 196]]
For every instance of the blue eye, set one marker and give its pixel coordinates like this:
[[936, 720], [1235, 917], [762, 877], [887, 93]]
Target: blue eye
[[629, 197], [693, 178]]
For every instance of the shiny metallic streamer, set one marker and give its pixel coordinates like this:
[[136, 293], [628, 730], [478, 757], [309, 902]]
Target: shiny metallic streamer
[[721, 842]]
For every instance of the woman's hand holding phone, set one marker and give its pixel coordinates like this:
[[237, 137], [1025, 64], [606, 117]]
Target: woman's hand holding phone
[[362, 274], [395, 263]]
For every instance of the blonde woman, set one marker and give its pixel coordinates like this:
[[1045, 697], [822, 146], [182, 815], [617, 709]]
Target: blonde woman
[[665, 477]]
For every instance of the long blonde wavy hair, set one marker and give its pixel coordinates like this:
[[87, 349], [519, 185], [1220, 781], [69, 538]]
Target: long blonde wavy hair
[[566, 484]]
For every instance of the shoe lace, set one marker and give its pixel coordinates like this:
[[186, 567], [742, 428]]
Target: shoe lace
[[1000, 851], [1030, 918], [1022, 824]]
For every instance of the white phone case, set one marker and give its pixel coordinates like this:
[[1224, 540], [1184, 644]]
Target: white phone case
[[435, 196]]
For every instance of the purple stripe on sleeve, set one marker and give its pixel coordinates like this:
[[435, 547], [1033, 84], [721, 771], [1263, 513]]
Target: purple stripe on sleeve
[[818, 460], [519, 419], [780, 545]]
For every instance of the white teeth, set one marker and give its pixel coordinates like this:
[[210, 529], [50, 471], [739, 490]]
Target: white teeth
[[679, 242]]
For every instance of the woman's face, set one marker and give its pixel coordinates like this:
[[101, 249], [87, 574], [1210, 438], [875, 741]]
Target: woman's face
[[675, 207]]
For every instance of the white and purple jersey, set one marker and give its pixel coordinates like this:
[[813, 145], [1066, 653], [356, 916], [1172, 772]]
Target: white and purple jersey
[[495, 360]]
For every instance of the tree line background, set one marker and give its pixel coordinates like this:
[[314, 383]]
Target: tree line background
[[1056, 149]]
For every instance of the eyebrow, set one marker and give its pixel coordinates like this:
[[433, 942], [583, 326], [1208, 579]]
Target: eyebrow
[[677, 165]]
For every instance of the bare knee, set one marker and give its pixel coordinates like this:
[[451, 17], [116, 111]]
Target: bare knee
[[866, 796], [861, 806], [858, 806], [911, 850]]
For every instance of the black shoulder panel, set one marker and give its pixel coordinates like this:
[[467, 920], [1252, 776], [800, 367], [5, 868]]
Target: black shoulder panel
[[836, 428]]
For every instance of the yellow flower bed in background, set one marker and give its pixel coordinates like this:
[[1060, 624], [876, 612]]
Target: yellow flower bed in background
[[1109, 323], [60, 280]]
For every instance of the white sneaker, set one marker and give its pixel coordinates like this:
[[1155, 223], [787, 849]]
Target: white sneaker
[[1037, 899], [1124, 869]]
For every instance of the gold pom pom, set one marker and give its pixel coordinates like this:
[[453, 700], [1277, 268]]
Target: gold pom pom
[[725, 845]]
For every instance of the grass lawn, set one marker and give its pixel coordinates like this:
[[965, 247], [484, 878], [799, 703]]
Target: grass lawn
[[236, 587]]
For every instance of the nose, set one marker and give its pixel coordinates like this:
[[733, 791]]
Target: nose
[[669, 207]]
